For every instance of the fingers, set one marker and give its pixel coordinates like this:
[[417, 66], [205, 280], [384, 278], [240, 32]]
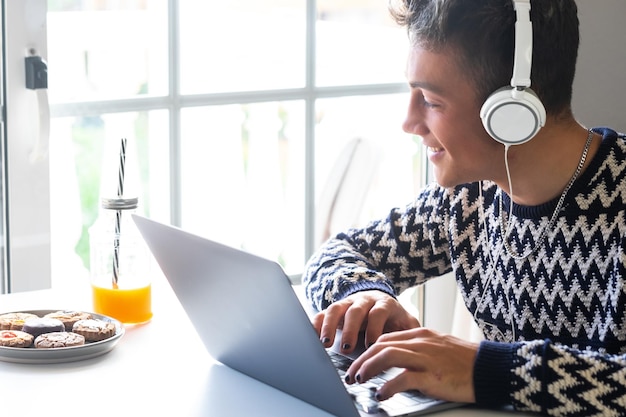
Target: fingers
[[381, 357], [327, 322], [373, 311], [351, 315], [317, 322], [438, 365], [408, 334], [376, 322], [355, 319], [405, 381]]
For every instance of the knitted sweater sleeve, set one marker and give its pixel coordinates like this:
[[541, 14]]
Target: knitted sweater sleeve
[[552, 379], [389, 255]]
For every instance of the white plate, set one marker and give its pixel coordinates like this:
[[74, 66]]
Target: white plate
[[65, 354]]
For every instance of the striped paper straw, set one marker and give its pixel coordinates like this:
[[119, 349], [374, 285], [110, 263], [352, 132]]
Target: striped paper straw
[[118, 214], [120, 177]]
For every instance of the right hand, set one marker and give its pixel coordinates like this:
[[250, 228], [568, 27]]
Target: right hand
[[439, 365], [373, 311]]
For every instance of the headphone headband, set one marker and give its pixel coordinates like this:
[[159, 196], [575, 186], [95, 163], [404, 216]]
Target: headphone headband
[[523, 44], [513, 115]]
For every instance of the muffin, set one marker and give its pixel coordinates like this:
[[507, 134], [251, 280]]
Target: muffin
[[14, 321], [41, 325], [69, 317], [15, 338], [58, 340], [94, 330]]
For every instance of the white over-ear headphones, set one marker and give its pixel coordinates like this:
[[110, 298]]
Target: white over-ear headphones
[[513, 115]]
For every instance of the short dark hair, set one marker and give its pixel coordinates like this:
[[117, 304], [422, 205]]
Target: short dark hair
[[481, 34]]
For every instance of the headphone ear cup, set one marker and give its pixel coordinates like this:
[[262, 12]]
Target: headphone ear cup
[[513, 116]]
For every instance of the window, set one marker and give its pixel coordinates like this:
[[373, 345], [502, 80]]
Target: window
[[247, 121]]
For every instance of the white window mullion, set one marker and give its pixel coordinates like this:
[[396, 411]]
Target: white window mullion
[[174, 109]]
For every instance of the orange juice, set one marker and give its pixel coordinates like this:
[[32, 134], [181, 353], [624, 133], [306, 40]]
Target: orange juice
[[132, 305]]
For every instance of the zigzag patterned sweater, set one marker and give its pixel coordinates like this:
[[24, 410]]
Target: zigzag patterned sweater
[[554, 323]]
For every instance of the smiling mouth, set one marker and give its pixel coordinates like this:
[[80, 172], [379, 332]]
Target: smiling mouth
[[434, 150]]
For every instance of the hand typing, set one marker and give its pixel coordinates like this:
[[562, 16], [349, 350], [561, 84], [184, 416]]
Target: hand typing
[[440, 366], [371, 311]]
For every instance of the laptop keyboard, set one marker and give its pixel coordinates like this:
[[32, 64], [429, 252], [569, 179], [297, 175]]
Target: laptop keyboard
[[363, 394]]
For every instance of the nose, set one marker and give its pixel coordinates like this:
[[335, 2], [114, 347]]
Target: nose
[[414, 123]]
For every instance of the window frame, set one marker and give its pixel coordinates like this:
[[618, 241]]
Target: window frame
[[25, 162], [173, 102]]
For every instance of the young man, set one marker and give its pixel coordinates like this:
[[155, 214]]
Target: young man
[[533, 230]]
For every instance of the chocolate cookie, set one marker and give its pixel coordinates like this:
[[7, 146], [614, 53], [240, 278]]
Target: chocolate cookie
[[58, 340], [94, 330], [15, 338], [14, 321], [41, 325]]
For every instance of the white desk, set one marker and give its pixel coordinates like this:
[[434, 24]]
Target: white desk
[[144, 375]]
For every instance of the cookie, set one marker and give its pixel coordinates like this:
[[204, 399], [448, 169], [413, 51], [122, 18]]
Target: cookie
[[58, 340], [41, 325], [69, 317], [15, 338], [94, 330], [14, 321]]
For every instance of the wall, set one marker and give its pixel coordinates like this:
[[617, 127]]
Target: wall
[[600, 84]]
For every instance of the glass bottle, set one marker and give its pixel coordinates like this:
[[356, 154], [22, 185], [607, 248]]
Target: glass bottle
[[119, 264]]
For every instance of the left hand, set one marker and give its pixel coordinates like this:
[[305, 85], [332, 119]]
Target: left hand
[[373, 311], [440, 366]]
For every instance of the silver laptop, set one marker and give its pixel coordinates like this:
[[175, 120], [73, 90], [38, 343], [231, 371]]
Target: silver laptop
[[250, 319]]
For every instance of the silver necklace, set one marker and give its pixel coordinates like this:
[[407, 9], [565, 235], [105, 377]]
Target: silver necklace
[[557, 209]]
